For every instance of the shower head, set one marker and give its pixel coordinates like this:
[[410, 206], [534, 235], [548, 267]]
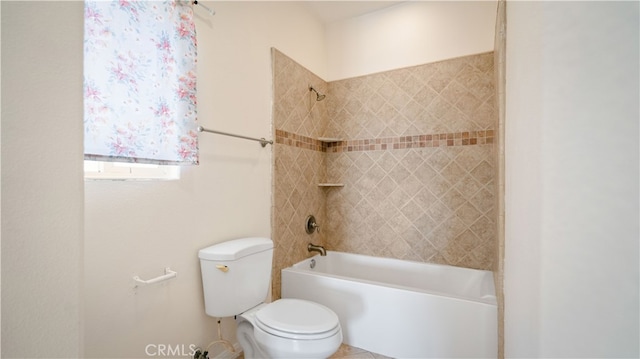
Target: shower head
[[319, 96]]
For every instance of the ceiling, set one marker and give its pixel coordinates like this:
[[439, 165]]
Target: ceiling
[[330, 11]]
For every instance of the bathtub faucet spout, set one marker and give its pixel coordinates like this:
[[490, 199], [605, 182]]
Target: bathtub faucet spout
[[320, 249]]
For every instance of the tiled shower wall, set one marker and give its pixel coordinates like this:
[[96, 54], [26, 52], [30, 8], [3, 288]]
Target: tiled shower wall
[[298, 166], [428, 195], [415, 155]]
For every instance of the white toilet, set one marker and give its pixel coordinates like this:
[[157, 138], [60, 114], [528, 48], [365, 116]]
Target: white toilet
[[236, 276]]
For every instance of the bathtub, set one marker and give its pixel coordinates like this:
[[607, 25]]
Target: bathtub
[[402, 309]]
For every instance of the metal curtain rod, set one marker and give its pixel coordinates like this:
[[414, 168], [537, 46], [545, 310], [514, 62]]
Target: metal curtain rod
[[211, 11], [262, 141]]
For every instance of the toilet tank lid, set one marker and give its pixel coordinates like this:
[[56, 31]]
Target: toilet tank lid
[[235, 249]]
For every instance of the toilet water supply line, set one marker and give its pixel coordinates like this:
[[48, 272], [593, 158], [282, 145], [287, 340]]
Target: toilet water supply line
[[227, 344]]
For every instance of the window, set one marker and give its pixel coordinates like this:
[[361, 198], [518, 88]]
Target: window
[[97, 170]]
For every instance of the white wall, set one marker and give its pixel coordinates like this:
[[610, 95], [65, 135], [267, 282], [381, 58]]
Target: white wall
[[42, 195], [138, 228], [572, 162], [411, 33]]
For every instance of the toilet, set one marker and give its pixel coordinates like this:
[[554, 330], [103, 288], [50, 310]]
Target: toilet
[[235, 277]]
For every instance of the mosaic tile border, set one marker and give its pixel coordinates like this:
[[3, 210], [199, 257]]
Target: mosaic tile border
[[299, 141], [466, 138]]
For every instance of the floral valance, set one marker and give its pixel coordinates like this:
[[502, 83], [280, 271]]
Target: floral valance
[[140, 82]]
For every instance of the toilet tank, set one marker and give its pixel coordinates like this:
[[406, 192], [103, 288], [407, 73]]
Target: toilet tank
[[235, 275]]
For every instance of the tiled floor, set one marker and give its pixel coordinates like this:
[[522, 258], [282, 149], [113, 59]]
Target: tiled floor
[[347, 352]]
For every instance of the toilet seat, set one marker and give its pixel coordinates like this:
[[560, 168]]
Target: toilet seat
[[297, 319]]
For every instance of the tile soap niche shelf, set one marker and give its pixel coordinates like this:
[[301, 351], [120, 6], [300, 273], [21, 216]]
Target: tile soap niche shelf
[[329, 139], [330, 184]]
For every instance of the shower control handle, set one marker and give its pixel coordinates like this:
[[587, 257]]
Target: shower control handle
[[310, 224]]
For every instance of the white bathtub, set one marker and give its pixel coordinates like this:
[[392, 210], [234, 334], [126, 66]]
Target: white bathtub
[[402, 309]]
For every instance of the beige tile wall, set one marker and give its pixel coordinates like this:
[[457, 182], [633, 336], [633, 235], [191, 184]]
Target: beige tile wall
[[448, 96], [428, 204], [429, 194], [297, 167], [415, 156]]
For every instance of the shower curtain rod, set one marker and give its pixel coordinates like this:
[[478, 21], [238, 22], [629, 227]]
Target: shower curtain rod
[[211, 11], [262, 141]]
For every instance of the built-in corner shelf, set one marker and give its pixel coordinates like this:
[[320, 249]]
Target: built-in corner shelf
[[330, 184], [329, 139]]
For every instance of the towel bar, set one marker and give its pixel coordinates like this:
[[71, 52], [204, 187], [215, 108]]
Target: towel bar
[[262, 141], [168, 274]]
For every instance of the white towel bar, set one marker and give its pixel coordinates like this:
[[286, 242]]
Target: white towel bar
[[168, 274]]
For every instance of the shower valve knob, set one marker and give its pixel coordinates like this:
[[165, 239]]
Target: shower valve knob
[[311, 225]]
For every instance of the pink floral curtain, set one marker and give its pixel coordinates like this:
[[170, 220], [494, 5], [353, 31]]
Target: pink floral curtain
[[140, 82]]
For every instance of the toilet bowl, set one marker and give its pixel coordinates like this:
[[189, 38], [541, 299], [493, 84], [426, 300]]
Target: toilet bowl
[[289, 328], [235, 278]]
